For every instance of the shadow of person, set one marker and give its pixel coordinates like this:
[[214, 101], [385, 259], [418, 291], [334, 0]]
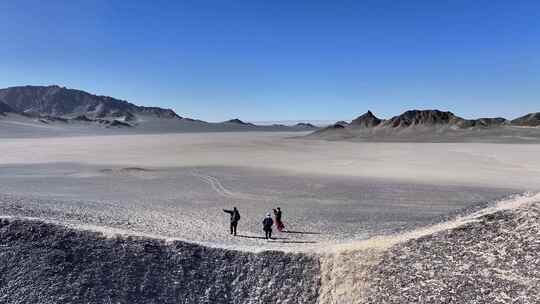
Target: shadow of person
[[251, 237], [259, 237], [300, 232], [292, 242]]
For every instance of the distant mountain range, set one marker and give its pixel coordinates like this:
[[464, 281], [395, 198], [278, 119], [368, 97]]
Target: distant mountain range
[[51, 105], [431, 125], [431, 118], [30, 110]]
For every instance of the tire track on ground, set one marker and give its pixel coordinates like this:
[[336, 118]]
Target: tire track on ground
[[218, 187]]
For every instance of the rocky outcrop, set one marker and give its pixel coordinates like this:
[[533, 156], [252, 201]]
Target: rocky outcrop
[[5, 108], [118, 123], [84, 119], [529, 120], [490, 122], [305, 125], [237, 121], [342, 123]]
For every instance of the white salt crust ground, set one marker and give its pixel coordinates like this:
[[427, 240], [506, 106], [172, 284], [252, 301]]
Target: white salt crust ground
[[187, 203]]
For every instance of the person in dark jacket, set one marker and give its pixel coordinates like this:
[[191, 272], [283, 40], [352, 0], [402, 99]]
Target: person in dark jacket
[[279, 223], [235, 217], [267, 226]]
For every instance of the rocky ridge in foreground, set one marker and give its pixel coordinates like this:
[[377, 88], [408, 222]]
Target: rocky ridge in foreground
[[44, 263], [494, 258]]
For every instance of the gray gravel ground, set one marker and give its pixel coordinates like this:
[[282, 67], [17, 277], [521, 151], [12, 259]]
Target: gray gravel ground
[[187, 203]]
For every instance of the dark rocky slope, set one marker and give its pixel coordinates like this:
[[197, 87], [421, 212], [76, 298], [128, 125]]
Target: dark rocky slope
[[529, 120], [5, 108], [44, 263], [493, 260]]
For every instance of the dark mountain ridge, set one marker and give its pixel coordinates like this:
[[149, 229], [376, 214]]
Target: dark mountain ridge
[[429, 118], [432, 126], [63, 102]]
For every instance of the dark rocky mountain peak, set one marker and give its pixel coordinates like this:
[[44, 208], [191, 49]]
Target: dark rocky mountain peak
[[367, 120], [238, 121]]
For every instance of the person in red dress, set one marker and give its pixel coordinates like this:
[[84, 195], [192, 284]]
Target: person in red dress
[[279, 223]]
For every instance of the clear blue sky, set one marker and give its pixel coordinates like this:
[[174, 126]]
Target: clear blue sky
[[282, 60]]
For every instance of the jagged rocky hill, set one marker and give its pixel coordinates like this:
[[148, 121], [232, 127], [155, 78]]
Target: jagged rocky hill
[[431, 125], [426, 118], [305, 125]]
